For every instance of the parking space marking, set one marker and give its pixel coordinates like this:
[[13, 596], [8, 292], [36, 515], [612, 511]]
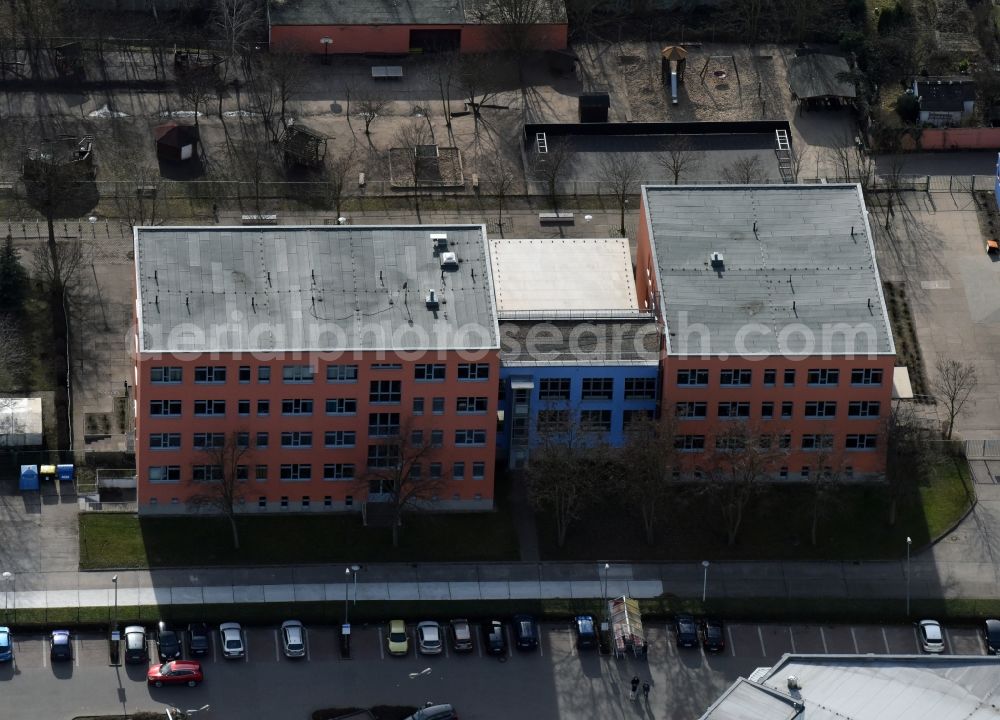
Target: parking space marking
[[916, 639], [476, 634], [305, 638], [246, 645], [823, 637], [510, 648], [211, 637], [791, 637], [541, 640], [381, 645], [76, 651], [854, 639], [277, 655], [885, 639], [951, 645], [732, 646], [45, 654], [760, 634]]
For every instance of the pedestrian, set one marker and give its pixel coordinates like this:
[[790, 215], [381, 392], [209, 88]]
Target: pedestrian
[[635, 687], [645, 691]]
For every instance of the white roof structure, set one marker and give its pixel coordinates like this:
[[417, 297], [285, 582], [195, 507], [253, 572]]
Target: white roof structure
[[867, 687], [563, 276]]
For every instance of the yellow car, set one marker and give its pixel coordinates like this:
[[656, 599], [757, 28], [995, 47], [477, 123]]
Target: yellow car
[[399, 641]]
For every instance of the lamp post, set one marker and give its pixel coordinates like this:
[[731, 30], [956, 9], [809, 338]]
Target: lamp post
[[326, 41], [347, 591], [8, 581], [114, 579], [704, 582], [909, 542], [354, 569]]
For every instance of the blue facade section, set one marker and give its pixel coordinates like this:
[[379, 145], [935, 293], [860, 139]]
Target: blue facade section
[[633, 387]]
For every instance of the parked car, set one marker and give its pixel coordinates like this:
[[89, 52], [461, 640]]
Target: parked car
[[713, 637], [168, 642], [586, 631], [991, 634], [931, 639], [232, 640], [461, 636], [429, 638], [435, 712], [293, 639], [136, 647], [525, 632], [6, 645], [398, 641], [60, 646], [198, 640], [686, 630], [494, 638], [175, 672]]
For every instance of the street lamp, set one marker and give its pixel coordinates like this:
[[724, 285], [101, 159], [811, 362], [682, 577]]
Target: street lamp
[[704, 582], [354, 569], [8, 581], [909, 542], [114, 579], [347, 589], [327, 41]]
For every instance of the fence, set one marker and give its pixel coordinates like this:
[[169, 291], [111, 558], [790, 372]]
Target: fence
[[116, 507], [922, 183]]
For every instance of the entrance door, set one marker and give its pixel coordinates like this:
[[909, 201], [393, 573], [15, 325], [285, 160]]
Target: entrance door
[[435, 40]]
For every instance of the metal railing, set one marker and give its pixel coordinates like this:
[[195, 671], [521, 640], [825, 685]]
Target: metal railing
[[117, 507]]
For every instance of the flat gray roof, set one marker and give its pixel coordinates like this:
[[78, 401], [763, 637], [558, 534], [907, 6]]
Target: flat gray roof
[[798, 273], [393, 12], [817, 75], [580, 342], [869, 687], [232, 289]]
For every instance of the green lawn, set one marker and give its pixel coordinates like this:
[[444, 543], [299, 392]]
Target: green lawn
[[777, 526]]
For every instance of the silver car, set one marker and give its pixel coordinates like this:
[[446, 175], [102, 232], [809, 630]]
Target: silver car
[[931, 639], [232, 640], [293, 639], [429, 638]]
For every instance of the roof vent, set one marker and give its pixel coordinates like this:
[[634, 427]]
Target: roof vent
[[440, 241], [716, 260], [431, 301], [449, 261], [793, 683]]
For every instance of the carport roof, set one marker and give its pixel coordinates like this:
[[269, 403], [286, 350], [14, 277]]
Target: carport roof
[[393, 12], [798, 274], [815, 75]]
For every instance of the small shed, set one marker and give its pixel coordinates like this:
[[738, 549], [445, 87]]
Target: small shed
[[819, 80], [29, 478], [594, 107], [945, 101], [561, 62], [176, 142], [303, 146]]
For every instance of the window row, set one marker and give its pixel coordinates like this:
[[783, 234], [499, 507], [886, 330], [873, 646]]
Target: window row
[[814, 409], [743, 377], [305, 502], [465, 405], [640, 388], [381, 425], [303, 472], [854, 441], [335, 373]]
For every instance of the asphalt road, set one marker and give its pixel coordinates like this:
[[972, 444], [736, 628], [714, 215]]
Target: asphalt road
[[556, 681]]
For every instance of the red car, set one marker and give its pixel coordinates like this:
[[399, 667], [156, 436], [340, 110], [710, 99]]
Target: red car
[[176, 672]]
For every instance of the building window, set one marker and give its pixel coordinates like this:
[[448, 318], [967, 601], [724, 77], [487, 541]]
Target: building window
[[437, 438], [210, 374], [262, 440], [417, 438], [598, 389], [341, 373], [384, 391], [383, 424], [785, 441], [243, 407], [339, 438], [296, 472], [328, 501], [738, 377], [245, 373], [305, 501], [473, 371], [206, 473], [692, 377], [437, 406], [207, 441], [866, 376], [817, 442], [863, 408], [296, 439], [471, 405], [689, 443], [786, 409], [428, 372], [264, 374], [260, 473], [848, 472], [553, 421], [263, 407], [783, 473], [284, 501], [553, 389], [692, 410], [386, 366], [338, 471], [640, 388], [473, 437], [770, 376], [804, 473], [341, 406], [243, 440], [242, 473], [458, 471], [348, 500], [418, 406], [165, 474], [767, 410], [416, 471], [821, 409], [262, 502], [478, 470], [595, 420], [634, 419], [382, 456], [166, 375], [209, 408], [165, 408], [734, 410], [789, 377], [730, 442], [164, 441], [297, 374], [435, 471], [861, 442], [297, 406], [823, 376]]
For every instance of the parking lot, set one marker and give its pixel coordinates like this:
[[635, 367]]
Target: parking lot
[[557, 680]]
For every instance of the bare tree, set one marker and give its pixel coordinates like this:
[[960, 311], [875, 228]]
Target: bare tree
[[370, 102], [338, 169], [13, 349], [748, 14], [286, 71], [515, 21], [196, 88], [479, 79], [253, 159], [140, 205], [237, 22], [679, 158], [911, 453], [645, 470], [409, 138], [953, 386], [220, 481], [501, 179], [397, 476], [623, 173], [550, 167], [744, 170], [825, 486]]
